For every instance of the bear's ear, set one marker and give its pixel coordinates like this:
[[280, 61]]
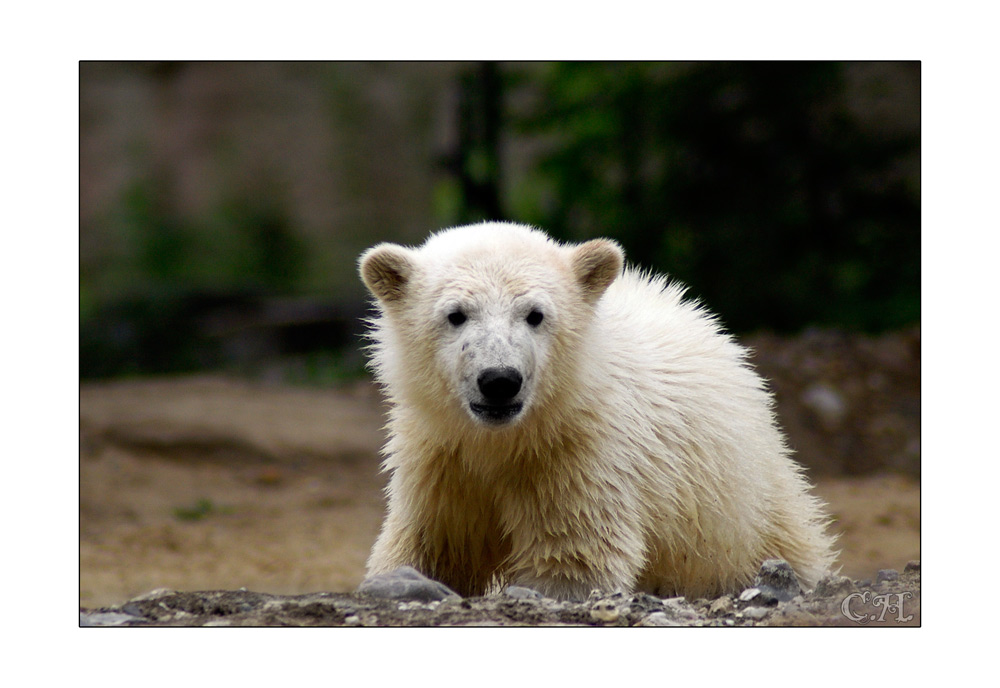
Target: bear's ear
[[386, 269], [596, 264]]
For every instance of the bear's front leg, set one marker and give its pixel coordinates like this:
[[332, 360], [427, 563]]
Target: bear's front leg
[[574, 535], [571, 565], [391, 566]]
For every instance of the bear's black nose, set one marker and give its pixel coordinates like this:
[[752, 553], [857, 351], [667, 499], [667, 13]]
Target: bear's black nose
[[499, 385]]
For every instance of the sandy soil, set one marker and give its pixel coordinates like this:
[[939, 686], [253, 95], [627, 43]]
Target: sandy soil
[[207, 483]]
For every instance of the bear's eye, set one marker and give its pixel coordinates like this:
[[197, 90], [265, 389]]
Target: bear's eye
[[456, 318], [535, 318]]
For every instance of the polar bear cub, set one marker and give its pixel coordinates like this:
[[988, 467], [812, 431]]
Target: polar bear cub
[[559, 423]]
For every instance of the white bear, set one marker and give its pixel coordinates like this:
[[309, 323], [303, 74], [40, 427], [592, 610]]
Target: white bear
[[561, 424]]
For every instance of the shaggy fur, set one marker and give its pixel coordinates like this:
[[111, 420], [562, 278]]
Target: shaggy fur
[[639, 453]]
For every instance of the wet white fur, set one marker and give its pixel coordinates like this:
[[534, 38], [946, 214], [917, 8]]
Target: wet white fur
[[646, 456]]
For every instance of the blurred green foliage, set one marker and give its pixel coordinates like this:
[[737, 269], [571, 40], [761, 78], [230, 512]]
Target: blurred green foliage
[[175, 271], [244, 242], [747, 181]]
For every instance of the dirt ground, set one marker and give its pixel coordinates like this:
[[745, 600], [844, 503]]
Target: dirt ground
[[208, 483]]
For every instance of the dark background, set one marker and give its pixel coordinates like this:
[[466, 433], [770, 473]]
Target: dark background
[[223, 205]]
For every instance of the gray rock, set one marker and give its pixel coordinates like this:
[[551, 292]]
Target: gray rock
[[886, 575], [756, 613], [405, 583], [657, 619], [776, 581], [680, 610], [108, 619], [521, 593], [760, 595], [605, 610], [154, 595], [825, 402], [642, 604], [218, 622], [833, 585], [721, 606]]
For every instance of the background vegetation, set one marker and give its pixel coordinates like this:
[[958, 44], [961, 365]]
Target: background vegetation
[[223, 204]]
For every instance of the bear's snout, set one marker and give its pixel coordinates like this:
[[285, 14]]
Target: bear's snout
[[499, 385], [499, 388]]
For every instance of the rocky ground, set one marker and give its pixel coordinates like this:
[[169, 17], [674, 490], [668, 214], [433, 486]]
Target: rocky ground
[[892, 599], [209, 483]]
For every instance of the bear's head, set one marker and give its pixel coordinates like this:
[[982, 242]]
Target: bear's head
[[483, 318]]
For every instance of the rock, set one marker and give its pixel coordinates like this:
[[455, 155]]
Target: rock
[[605, 610], [643, 604], [756, 613], [776, 581], [680, 610], [108, 619], [154, 594], [723, 605], [405, 583], [912, 566], [833, 585], [521, 593], [768, 597], [657, 619], [886, 575], [218, 622], [826, 403]]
